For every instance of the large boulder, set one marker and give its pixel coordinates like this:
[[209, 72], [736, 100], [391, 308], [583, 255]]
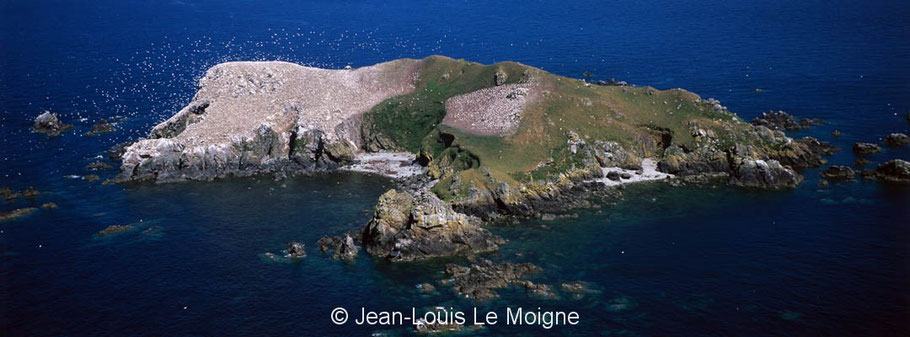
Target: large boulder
[[762, 173], [418, 225]]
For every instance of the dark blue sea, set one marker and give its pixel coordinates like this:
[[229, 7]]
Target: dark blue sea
[[664, 261]]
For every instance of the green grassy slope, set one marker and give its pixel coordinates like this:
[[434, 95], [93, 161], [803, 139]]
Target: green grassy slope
[[642, 119]]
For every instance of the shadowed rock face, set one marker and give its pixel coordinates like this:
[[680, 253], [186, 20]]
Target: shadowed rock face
[[266, 117]]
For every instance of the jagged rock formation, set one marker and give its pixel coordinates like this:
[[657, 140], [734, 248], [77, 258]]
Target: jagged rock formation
[[895, 171], [48, 123], [781, 120], [413, 226], [866, 148], [266, 117], [480, 281], [897, 139]]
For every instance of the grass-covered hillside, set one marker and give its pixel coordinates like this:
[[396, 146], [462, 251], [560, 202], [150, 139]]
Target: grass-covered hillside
[[642, 120]]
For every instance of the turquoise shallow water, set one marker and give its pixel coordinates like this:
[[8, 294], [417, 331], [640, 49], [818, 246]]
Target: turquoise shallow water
[[831, 261]]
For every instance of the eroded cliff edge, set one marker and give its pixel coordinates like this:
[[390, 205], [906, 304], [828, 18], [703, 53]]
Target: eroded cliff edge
[[494, 140]]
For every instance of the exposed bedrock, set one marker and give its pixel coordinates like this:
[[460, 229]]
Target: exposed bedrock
[[418, 225], [266, 117]]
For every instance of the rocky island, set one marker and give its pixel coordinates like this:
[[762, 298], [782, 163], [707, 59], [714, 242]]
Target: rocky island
[[472, 142]]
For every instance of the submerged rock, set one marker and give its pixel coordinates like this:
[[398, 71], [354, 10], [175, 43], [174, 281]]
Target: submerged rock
[[480, 280], [418, 225], [114, 229], [49, 205], [897, 139], [30, 193], [17, 213], [48, 123], [838, 173], [102, 126], [865, 148]]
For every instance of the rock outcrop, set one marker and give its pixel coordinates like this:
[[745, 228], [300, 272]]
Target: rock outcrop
[[48, 123], [838, 173], [897, 139], [17, 213], [295, 250], [418, 225], [781, 120], [266, 117], [895, 171], [102, 126], [480, 281], [866, 148], [114, 229], [342, 247]]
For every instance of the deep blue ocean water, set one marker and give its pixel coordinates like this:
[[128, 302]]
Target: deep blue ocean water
[[814, 261]]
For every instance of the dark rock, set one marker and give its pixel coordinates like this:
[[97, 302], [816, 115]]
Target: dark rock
[[418, 225], [480, 280], [897, 171], [91, 177], [48, 123], [49, 205], [98, 165], [102, 126], [779, 120], [612, 82], [897, 139], [16, 213], [865, 148], [625, 175], [838, 173], [295, 250], [113, 229], [860, 162], [836, 133], [613, 175], [115, 153], [342, 247]]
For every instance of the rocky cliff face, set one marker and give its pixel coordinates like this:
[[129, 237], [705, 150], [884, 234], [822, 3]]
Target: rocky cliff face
[[266, 117]]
